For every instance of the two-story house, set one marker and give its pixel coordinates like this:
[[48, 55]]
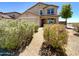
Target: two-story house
[[41, 14]]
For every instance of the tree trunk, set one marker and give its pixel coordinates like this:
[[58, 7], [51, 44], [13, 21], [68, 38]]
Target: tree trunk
[[66, 23]]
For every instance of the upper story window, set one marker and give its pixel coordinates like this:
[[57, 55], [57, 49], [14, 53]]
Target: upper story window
[[41, 13], [50, 11]]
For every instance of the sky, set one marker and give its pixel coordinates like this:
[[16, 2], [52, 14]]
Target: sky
[[23, 6]]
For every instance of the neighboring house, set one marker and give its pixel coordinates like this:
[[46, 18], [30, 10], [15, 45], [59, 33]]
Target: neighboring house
[[41, 14], [9, 15], [13, 15], [3, 16]]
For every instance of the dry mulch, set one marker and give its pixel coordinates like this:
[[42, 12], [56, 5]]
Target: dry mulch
[[48, 50]]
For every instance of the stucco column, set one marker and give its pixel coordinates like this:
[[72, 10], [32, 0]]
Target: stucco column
[[57, 20]]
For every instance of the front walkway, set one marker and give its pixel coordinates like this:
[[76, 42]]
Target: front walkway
[[35, 45]]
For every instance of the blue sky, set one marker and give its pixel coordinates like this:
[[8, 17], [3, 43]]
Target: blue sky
[[23, 6]]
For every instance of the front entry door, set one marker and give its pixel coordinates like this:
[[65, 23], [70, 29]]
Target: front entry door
[[42, 22]]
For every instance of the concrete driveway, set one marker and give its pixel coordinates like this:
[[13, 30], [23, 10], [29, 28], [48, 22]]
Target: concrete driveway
[[72, 48]]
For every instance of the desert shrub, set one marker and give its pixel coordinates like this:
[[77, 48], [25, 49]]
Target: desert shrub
[[14, 34], [76, 27], [35, 28], [56, 35]]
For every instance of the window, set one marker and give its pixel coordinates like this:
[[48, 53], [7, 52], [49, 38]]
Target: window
[[50, 11], [41, 12], [51, 21]]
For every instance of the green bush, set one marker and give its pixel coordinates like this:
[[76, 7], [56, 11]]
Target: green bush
[[56, 35], [14, 33]]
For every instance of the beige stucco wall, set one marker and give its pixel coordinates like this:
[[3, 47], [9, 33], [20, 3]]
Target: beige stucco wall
[[30, 18], [39, 7], [35, 11]]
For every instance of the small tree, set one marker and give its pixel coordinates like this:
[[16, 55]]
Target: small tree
[[66, 12]]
